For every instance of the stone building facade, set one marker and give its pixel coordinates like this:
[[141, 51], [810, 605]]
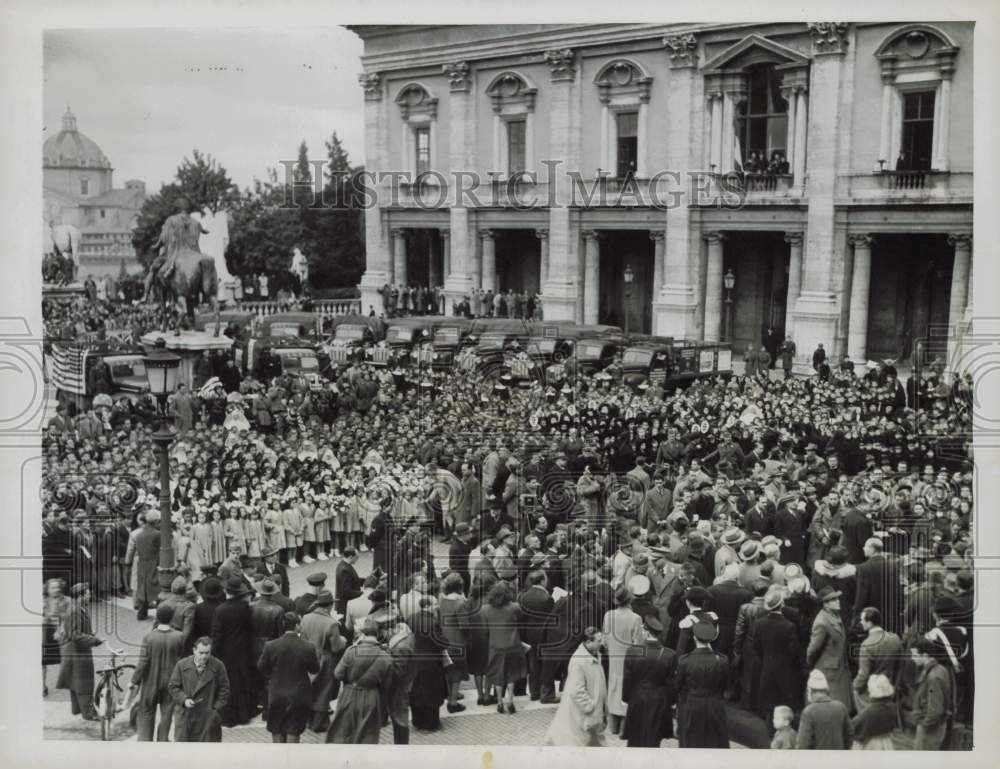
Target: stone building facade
[[638, 142], [78, 189]]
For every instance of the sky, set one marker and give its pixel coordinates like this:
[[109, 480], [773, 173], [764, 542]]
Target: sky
[[247, 97]]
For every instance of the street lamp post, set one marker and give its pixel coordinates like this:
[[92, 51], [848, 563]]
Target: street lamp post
[[161, 373], [729, 281], [629, 277]]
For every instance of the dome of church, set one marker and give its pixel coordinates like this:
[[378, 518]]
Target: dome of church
[[71, 149]]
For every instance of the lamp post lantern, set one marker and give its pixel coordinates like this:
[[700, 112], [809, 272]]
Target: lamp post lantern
[[162, 367], [629, 278], [729, 281]]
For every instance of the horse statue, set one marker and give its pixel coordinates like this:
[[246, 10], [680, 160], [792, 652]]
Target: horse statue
[[183, 276]]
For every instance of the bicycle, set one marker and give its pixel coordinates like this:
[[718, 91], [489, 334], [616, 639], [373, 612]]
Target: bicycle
[[107, 704]]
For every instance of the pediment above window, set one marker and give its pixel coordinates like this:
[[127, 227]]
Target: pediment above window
[[623, 77], [414, 99], [510, 90], [753, 50], [916, 47]]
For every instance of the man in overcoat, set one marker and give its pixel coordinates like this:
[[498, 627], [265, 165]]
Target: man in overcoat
[[146, 548], [232, 641], [161, 649], [777, 642], [702, 679], [879, 585], [200, 689], [76, 672], [322, 630], [347, 582], [286, 664]]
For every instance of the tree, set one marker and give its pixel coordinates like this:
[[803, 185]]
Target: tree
[[303, 172], [338, 162]]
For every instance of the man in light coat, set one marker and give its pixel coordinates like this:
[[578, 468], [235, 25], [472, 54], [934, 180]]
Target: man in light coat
[[145, 549], [582, 713]]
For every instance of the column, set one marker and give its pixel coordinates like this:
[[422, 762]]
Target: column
[[642, 143], [790, 95], [560, 292], [943, 132], [716, 107], [659, 268], [817, 311], [605, 162], [675, 305], [399, 256], [713, 287], [378, 252], [962, 243], [857, 334], [543, 257], [801, 119], [794, 241], [457, 245], [728, 134], [884, 147], [591, 276], [489, 277], [446, 250]]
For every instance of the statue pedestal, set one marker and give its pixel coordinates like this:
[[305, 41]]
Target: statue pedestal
[[189, 346]]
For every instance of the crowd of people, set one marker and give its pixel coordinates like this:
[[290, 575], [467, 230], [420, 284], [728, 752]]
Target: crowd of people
[[775, 562], [398, 301]]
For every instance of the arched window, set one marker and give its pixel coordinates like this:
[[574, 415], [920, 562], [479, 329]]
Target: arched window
[[624, 90], [762, 122], [513, 99], [418, 108]]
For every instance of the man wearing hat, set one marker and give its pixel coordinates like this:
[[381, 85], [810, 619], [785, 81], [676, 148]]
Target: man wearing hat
[[268, 620], [161, 649], [76, 672], [269, 566], [728, 552], [232, 643], [286, 664], [827, 651], [776, 639], [750, 559], [726, 596], [304, 603], [696, 598], [648, 688], [702, 679], [825, 723], [321, 627]]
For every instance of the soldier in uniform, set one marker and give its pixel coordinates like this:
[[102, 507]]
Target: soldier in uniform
[[305, 602], [702, 678]]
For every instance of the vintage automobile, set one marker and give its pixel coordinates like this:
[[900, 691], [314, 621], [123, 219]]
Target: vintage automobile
[[286, 343], [699, 360], [352, 334], [449, 338], [73, 372], [410, 340], [597, 350]]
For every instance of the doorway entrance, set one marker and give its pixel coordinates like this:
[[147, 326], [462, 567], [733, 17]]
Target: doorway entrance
[[621, 249], [518, 261], [759, 263]]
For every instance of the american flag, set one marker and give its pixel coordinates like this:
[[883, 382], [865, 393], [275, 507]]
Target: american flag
[[67, 370]]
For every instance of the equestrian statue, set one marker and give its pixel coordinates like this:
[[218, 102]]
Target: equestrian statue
[[181, 275]]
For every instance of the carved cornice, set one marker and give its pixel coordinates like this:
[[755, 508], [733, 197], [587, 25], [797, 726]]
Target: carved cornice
[[372, 84], [657, 236], [562, 64], [459, 76], [793, 238], [861, 241], [682, 50], [829, 37]]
